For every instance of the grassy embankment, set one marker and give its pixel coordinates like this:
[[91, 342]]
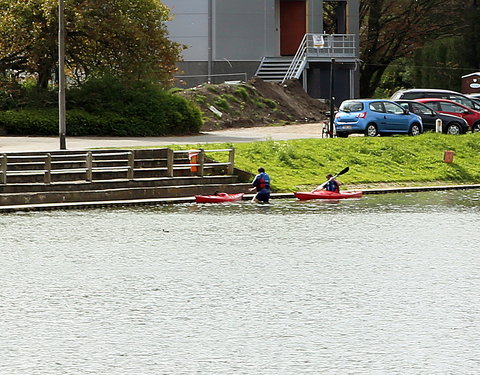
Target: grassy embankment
[[393, 161]]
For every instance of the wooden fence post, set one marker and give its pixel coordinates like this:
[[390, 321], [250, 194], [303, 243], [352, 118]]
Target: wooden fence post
[[48, 169], [170, 157], [231, 160], [89, 166], [131, 165], [4, 168], [201, 161]]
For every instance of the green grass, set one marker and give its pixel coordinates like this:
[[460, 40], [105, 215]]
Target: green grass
[[398, 160]]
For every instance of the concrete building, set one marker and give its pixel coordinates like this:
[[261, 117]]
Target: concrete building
[[273, 39]]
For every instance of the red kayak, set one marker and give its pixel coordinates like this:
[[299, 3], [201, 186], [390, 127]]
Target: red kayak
[[324, 194], [218, 198]]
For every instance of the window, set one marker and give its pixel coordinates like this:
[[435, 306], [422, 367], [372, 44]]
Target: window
[[351, 106], [450, 107], [376, 107], [412, 95], [404, 106], [433, 105], [460, 99], [393, 108], [421, 109]]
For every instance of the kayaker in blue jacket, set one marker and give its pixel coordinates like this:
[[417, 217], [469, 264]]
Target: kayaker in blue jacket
[[332, 184], [261, 183]]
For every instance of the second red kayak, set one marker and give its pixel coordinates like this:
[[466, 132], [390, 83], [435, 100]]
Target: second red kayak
[[218, 198], [324, 194]]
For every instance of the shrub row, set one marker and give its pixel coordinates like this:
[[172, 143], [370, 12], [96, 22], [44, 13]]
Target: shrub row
[[82, 123], [107, 107]]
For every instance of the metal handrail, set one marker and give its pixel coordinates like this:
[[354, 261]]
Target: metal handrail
[[321, 45], [299, 56]]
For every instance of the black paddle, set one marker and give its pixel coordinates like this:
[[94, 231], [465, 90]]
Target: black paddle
[[343, 171]]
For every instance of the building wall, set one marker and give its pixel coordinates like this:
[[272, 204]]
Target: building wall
[[190, 27], [245, 30], [242, 30]]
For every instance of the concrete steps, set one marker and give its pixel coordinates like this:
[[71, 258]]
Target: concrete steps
[[125, 193], [112, 181]]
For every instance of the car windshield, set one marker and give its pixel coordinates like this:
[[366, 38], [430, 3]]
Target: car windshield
[[351, 106]]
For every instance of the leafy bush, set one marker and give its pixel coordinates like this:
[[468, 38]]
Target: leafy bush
[[108, 107], [30, 121]]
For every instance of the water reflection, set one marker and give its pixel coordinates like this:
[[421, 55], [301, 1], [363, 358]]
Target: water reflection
[[386, 284]]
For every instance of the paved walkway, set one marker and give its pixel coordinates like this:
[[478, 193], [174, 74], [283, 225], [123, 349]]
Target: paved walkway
[[12, 144]]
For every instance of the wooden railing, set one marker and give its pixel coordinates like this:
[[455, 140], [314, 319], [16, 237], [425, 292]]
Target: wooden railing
[[124, 161], [198, 164]]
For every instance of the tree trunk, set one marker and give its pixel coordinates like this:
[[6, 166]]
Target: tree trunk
[[44, 71]]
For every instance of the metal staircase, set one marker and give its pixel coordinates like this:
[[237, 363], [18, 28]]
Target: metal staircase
[[274, 68], [314, 47]]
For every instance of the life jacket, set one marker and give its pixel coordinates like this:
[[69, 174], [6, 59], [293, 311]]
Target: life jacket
[[332, 185], [262, 181]]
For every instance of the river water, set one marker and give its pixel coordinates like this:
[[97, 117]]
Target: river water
[[387, 284]]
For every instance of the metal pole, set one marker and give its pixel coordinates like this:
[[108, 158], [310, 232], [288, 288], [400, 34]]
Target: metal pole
[[210, 41], [61, 75], [332, 98]]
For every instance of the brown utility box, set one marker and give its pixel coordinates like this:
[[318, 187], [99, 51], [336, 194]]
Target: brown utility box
[[471, 83], [448, 156]]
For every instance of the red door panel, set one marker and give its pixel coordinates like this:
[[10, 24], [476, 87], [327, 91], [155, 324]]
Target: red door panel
[[293, 26]]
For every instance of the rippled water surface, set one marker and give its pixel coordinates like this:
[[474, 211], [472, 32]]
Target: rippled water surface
[[386, 284]]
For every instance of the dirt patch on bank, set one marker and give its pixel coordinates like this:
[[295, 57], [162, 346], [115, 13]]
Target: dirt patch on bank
[[254, 103]]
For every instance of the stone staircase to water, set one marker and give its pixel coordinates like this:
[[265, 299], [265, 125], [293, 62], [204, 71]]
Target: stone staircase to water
[[38, 178]]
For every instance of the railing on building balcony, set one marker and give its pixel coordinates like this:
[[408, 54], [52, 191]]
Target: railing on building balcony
[[321, 46]]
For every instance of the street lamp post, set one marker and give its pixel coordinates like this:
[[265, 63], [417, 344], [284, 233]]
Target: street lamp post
[[61, 75]]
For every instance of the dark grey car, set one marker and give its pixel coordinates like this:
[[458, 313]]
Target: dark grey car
[[450, 124], [412, 94]]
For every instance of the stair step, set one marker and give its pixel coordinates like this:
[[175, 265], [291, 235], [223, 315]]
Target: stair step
[[127, 193], [120, 183]]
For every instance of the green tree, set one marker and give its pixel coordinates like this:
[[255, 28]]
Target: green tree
[[394, 29], [125, 37], [470, 41], [441, 63]]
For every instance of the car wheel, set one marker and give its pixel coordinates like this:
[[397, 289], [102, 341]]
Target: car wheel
[[371, 130], [414, 130], [453, 129], [342, 134], [476, 127]]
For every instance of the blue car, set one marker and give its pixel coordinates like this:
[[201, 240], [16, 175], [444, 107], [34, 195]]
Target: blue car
[[374, 117]]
